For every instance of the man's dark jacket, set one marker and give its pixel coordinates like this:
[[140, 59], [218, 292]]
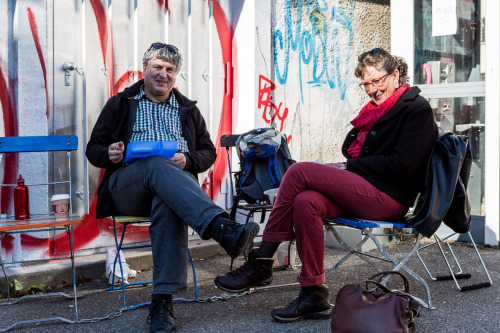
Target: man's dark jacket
[[396, 150], [445, 198], [115, 123]]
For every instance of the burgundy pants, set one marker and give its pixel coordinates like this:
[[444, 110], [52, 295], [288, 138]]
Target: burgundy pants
[[310, 192]]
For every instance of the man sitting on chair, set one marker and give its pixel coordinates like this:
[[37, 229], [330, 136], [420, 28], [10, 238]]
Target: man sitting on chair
[[167, 190]]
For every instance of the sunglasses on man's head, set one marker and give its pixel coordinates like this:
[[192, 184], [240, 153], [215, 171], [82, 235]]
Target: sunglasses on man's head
[[373, 52], [158, 46]]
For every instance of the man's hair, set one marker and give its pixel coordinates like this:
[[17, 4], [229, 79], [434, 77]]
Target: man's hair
[[165, 55]]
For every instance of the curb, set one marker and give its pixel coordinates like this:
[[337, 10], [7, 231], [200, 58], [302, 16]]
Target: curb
[[94, 266]]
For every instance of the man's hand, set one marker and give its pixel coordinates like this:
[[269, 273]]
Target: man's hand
[[180, 159], [115, 152]]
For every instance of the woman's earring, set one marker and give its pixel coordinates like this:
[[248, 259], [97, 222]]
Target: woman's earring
[[396, 84]]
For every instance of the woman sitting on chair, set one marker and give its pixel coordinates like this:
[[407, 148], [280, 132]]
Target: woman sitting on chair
[[386, 152]]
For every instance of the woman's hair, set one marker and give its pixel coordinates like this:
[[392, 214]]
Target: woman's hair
[[382, 60], [164, 54]]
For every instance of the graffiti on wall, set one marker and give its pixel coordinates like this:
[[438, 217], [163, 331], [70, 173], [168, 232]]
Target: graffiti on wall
[[36, 40], [313, 30], [270, 111], [228, 47], [10, 161]]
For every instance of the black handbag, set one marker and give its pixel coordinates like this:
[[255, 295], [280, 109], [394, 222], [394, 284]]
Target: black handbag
[[374, 310]]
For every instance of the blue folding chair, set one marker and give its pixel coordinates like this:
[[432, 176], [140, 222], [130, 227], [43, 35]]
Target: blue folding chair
[[366, 228], [449, 150]]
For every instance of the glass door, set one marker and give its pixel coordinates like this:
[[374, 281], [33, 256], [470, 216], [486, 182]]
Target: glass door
[[449, 68]]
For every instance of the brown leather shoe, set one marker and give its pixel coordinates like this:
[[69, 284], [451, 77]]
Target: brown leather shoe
[[312, 303], [255, 272]]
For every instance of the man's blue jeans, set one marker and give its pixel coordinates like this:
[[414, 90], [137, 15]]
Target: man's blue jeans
[[172, 198]]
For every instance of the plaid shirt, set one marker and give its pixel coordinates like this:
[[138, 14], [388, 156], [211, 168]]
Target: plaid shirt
[[158, 121]]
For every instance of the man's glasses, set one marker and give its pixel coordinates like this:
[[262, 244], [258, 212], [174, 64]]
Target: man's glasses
[[377, 83], [373, 52], [158, 46]]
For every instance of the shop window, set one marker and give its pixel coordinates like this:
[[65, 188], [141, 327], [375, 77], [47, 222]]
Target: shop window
[[449, 69], [465, 116], [448, 40]]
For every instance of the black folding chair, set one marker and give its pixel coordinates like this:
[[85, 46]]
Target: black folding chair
[[240, 206]]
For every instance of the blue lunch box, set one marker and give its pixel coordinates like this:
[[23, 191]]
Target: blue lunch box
[[140, 149]]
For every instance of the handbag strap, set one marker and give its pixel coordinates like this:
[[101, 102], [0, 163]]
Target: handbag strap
[[414, 312], [381, 275]]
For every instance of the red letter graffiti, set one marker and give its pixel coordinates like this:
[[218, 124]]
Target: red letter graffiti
[[270, 112]]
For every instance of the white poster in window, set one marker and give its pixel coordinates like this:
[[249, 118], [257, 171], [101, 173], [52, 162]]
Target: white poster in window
[[444, 17]]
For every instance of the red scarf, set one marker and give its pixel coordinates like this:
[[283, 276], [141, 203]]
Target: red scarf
[[369, 115]]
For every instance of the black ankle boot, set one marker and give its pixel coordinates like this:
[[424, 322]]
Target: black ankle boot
[[161, 314], [235, 238], [256, 271], [312, 303]]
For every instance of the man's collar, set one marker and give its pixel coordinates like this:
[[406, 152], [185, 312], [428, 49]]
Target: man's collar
[[170, 100], [141, 93]]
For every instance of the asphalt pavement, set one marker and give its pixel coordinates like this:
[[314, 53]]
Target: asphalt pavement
[[470, 311]]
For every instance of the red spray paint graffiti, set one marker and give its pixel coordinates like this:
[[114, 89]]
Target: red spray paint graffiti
[[226, 120], [11, 161], [83, 233], [100, 15], [161, 2], [36, 39], [125, 78], [271, 111], [8, 243]]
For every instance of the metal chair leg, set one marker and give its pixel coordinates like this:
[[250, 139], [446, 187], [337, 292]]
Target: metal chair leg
[[69, 230], [400, 264], [470, 287], [352, 250], [118, 248], [458, 275], [5, 273]]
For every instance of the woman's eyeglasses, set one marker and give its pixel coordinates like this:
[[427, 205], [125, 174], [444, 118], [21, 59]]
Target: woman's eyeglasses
[[373, 52], [377, 83], [158, 46]]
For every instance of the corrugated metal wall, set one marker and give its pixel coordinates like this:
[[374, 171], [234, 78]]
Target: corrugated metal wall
[[104, 42]]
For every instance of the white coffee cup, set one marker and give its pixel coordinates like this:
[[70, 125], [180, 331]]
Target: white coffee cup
[[60, 203]]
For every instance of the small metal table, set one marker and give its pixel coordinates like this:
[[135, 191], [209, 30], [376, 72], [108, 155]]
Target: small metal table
[[42, 223]]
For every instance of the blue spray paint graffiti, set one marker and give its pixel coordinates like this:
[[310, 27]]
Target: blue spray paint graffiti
[[317, 47]]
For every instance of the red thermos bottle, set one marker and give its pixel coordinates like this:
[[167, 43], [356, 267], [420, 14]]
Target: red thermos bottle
[[21, 200]]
